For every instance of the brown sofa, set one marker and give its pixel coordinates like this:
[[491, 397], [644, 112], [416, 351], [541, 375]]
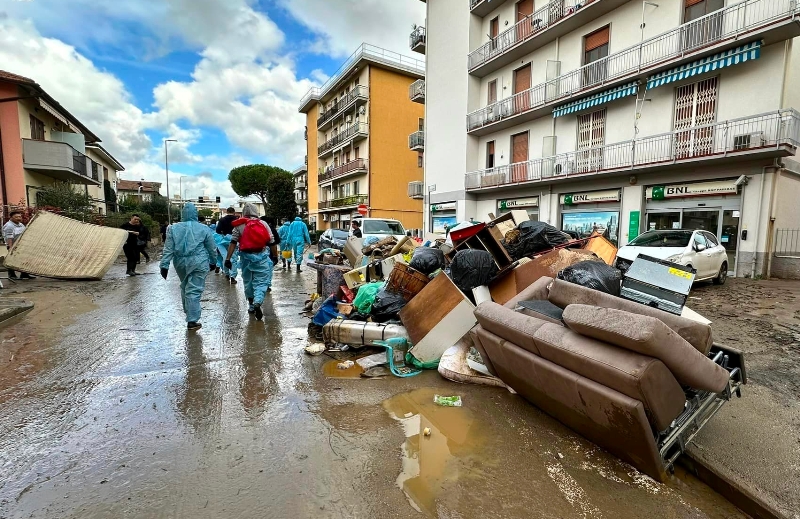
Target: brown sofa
[[627, 381]]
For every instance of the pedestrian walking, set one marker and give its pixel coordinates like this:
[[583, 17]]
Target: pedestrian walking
[[213, 224], [286, 246], [12, 230], [163, 230], [356, 225], [143, 241], [223, 241], [131, 247], [298, 238], [273, 257], [191, 250], [256, 245]]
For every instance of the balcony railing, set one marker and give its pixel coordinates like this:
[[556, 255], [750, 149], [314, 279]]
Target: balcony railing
[[368, 52], [347, 201], [524, 29], [416, 141], [416, 91], [344, 136], [358, 165], [59, 160], [300, 184], [731, 22], [768, 133], [417, 40], [359, 92]]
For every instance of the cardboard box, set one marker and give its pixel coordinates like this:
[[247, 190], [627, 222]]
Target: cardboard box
[[352, 251], [357, 277]]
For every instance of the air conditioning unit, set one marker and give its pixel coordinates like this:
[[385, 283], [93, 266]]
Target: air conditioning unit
[[362, 110], [324, 217], [416, 190], [747, 141], [563, 167]]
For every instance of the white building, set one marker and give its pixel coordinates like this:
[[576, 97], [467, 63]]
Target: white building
[[622, 114]]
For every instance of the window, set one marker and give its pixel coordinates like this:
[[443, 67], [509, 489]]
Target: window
[[420, 160], [37, 129], [699, 241], [662, 239], [490, 155], [346, 157], [494, 30], [421, 124], [491, 97], [357, 153], [711, 239], [591, 139], [696, 8], [105, 173], [595, 50], [706, 30]]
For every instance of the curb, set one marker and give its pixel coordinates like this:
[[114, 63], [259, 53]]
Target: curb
[[744, 498], [10, 308]]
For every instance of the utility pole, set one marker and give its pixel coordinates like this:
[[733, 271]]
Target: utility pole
[[166, 167]]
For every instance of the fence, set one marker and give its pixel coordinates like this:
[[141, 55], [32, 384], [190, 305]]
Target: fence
[[787, 243]]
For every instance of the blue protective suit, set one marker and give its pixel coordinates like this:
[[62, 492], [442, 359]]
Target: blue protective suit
[[256, 274], [191, 249], [223, 241], [298, 237]]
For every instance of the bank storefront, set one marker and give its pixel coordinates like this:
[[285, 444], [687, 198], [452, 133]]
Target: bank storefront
[[712, 206], [443, 217], [583, 213], [529, 204]]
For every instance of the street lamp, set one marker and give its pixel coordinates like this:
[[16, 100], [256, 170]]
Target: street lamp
[[180, 188], [166, 166]]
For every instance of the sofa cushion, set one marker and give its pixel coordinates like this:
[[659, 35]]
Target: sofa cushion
[[509, 325], [477, 341], [538, 290], [563, 293], [635, 375], [544, 310], [648, 336]]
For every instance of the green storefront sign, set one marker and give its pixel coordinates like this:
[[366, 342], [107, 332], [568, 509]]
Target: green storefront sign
[[567, 199], [634, 226], [658, 193]]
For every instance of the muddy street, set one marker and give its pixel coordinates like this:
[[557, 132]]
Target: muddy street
[[110, 408]]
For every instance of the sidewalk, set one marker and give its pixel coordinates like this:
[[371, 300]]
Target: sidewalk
[[754, 442]]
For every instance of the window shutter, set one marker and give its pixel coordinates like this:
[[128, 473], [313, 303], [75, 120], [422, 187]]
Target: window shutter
[[597, 39], [690, 3]]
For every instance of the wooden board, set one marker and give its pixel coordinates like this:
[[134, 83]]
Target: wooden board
[[430, 307], [604, 249]]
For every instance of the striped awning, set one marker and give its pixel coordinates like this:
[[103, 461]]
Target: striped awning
[[728, 58], [596, 99]]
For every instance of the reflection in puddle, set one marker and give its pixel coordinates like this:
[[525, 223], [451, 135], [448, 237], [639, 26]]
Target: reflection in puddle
[[331, 370], [432, 463]]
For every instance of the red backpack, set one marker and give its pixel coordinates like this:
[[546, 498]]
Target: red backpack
[[255, 236]]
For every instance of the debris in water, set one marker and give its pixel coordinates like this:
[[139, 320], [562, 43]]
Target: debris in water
[[426, 431], [315, 349], [347, 364], [447, 401]]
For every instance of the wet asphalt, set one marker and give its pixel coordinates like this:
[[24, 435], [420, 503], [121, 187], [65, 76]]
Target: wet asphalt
[[110, 408]]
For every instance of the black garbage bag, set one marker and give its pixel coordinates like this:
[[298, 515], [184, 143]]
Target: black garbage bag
[[472, 268], [427, 260], [595, 275], [535, 237], [387, 305]]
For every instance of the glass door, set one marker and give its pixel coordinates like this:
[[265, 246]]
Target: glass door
[[729, 236], [661, 221], [702, 219]]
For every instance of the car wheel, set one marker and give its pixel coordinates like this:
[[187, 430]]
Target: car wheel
[[722, 275]]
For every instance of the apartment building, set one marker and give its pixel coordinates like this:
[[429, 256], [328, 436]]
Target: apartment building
[[201, 202], [137, 189], [618, 115], [301, 189], [42, 143], [362, 131]]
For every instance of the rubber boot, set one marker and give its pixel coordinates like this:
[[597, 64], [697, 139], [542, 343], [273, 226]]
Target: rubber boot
[[298, 268]]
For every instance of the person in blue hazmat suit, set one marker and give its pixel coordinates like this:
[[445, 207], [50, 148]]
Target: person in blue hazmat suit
[[223, 240], [191, 249], [256, 265], [298, 238], [283, 232]]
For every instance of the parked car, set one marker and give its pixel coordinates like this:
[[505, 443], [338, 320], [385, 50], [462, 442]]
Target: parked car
[[332, 239], [698, 249], [380, 228]]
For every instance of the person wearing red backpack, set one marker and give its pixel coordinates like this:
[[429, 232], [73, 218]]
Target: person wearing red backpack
[[255, 241]]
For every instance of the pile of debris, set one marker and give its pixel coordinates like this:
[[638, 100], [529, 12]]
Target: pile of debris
[[518, 304]]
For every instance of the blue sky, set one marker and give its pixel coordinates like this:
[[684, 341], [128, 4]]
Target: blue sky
[[224, 77]]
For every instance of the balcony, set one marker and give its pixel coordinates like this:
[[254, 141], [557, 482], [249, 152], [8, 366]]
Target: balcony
[[482, 7], [299, 184], [751, 20], [343, 203], [551, 21], [354, 167], [353, 133], [774, 134], [60, 161], [416, 92], [356, 97], [416, 141], [416, 190], [417, 40]]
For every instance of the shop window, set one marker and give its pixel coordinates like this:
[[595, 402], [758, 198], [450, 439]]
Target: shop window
[[490, 155], [583, 224], [37, 129], [594, 54]]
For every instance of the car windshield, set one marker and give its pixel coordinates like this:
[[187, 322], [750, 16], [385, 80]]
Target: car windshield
[[662, 239], [340, 235], [383, 227]]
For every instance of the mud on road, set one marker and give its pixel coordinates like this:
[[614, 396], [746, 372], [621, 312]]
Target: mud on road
[[109, 408]]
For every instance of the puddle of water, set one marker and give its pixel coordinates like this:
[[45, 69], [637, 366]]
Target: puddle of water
[[331, 370], [431, 464]]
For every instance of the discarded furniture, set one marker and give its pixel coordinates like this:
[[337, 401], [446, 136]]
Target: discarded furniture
[[637, 381], [481, 237]]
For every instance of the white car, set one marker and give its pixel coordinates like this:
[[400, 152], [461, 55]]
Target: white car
[[700, 250], [380, 228]]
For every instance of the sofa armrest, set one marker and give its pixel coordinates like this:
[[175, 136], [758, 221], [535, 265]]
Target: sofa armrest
[[537, 291]]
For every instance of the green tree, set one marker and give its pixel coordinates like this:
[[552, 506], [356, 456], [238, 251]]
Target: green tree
[[253, 180], [111, 196], [205, 213], [66, 198], [281, 196], [156, 207]]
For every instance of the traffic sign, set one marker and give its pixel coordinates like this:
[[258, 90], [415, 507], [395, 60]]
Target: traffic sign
[[363, 210]]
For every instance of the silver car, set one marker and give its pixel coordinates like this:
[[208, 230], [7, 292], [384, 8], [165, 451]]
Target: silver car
[[700, 250]]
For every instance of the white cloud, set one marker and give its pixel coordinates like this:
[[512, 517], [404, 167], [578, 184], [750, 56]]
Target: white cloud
[[344, 24]]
